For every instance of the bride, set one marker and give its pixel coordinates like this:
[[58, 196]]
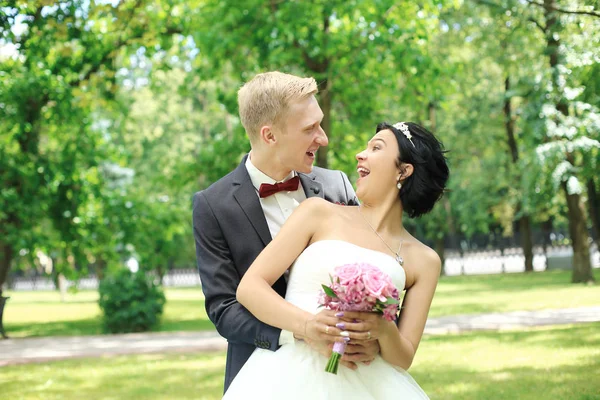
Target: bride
[[402, 170]]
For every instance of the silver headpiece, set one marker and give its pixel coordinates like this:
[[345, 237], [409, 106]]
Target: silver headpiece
[[402, 127]]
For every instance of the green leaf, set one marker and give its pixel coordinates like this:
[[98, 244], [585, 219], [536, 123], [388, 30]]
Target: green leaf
[[329, 291]]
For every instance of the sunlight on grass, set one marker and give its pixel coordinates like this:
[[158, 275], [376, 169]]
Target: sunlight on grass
[[540, 363], [125, 377], [42, 313], [510, 292], [545, 363]]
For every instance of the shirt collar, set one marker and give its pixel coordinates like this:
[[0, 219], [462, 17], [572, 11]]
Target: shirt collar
[[258, 177]]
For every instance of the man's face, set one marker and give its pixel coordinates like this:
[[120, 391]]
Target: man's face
[[300, 135]]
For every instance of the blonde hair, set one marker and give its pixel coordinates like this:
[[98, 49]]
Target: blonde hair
[[266, 97]]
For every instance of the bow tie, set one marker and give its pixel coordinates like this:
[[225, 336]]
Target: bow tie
[[266, 189]]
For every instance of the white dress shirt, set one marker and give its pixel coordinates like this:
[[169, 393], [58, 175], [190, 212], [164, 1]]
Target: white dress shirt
[[277, 208]]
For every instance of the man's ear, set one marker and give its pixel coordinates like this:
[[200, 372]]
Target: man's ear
[[405, 171], [267, 136]]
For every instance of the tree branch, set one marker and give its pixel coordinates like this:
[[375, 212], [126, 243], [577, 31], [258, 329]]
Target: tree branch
[[562, 10], [117, 45], [536, 22], [313, 65]]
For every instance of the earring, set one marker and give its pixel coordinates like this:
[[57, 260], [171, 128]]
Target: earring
[[399, 185]]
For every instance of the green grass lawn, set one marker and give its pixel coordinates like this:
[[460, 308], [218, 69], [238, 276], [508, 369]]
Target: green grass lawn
[[544, 363], [42, 313], [476, 294]]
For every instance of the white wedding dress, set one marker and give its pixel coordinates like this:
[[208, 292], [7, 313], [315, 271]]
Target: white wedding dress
[[296, 371]]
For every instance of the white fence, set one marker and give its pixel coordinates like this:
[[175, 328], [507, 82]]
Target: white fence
[[511, 260], [470, 263], [175, 278]]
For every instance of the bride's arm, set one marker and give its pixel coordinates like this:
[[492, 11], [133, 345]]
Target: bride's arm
[[399, 343], [255, 292]]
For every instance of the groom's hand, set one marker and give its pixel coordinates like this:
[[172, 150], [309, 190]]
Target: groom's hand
[[361, 351]]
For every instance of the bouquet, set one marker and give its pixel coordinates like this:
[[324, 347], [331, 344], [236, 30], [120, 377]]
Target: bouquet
[[358, 287]]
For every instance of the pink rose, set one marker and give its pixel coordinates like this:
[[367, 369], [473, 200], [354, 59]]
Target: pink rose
[[390, 291], [348, 273], [375, 283]]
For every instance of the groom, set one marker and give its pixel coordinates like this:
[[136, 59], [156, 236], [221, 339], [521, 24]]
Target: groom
[[237, 216]]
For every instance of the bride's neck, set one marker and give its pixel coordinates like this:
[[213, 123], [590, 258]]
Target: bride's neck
[[385, 219]]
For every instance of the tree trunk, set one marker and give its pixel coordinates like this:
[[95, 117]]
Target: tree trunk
[[526, 242], [100, 268], [582, 265], [439, 241], [5, 261], [525, 220], [452, 234], [325, 102], [3, 301], [439, 248], [594, 205], [160, 273], [509, 123], [320, 67], [547, 230]]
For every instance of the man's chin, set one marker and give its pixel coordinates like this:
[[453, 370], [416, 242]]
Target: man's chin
[[305, 169]]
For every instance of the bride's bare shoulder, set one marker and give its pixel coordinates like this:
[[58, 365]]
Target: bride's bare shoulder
[[314, 204], [320, 209], [429, 260], [314, 207]]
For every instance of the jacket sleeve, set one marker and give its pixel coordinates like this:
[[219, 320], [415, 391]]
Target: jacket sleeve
[[220, 278]]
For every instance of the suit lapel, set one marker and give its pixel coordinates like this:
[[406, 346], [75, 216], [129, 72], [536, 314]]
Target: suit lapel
[[248, 200], [312, 188]]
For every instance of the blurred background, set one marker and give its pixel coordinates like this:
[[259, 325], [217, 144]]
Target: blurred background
[[114, 113]]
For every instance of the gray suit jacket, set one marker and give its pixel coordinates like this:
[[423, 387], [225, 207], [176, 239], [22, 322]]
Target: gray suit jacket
[[230, 230]]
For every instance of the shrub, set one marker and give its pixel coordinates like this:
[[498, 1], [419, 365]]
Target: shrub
[[130, 302]]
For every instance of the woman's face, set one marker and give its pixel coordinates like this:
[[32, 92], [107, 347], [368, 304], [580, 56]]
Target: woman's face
[[377, 166]]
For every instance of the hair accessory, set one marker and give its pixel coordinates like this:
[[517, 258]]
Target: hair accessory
[[402, 127]]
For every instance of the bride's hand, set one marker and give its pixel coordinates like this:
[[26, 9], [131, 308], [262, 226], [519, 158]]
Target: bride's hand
[[324, 326], [321, 333], [365, 326]]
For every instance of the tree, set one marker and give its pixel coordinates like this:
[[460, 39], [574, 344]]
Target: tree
[[321, 39], [563, 138], [62, 71], [571, 138]]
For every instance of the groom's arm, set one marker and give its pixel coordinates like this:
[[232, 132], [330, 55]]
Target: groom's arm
[[220, 279]]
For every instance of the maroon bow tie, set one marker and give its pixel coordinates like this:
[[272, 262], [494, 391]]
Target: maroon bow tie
[[267, 189]]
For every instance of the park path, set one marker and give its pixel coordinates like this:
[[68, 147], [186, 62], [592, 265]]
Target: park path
[[27, 350]]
